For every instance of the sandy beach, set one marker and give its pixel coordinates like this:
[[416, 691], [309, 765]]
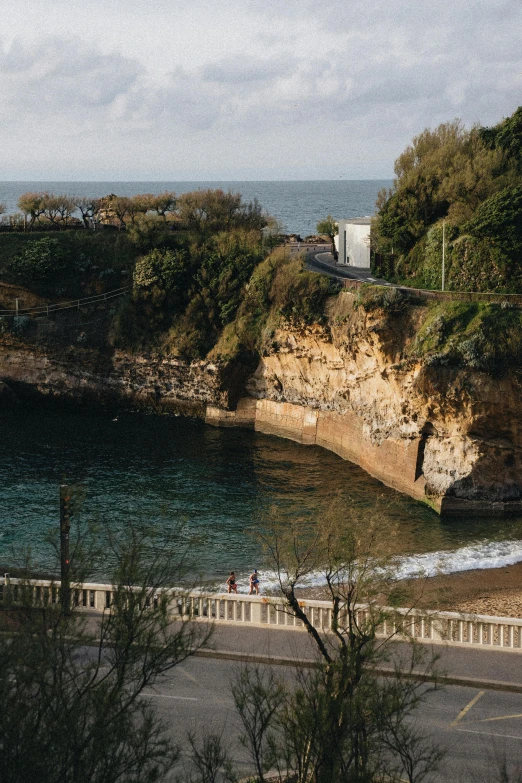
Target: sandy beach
[[491, 591]]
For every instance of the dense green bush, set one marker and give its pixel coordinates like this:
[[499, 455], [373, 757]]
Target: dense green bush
[[279, 290], [298, 295], [372, 298], [483, 337], [183, 298], [165, 271], [499, 219], [67, 262], [41, 264], [472, 180], [480, 265], [506, 136]]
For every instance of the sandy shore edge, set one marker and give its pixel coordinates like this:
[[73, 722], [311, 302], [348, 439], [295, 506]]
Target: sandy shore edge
[[488, 591]]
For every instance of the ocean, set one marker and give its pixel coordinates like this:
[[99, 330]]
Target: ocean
[[222, 486], [298, 205]]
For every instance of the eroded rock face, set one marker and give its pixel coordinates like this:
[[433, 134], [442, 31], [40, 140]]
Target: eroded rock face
[[448, 436], [445, 435], [83, 377]]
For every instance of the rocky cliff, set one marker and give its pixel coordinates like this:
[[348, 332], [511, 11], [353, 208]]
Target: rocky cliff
[[445, 435]]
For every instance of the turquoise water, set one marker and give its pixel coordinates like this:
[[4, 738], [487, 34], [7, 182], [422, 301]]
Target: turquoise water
[[298, 205], [223, 482]]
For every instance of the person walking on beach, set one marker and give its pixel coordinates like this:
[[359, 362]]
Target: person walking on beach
[[254, 583], [231, 582]]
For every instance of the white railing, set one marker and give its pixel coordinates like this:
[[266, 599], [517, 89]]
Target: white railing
[[454, 628]]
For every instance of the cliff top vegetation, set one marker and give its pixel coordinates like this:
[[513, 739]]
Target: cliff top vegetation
[[472, 180], [203, 282], [49, 249], [479, 336], [199, 269]]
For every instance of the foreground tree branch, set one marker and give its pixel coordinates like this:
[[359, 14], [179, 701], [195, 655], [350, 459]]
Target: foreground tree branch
[[72, 687]]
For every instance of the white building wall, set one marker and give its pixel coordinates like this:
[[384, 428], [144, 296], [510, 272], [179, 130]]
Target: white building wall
[[354, 243]]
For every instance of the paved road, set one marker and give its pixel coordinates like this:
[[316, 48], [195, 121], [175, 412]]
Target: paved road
[[475, 726], [477, 723], [319, 259], [502, 669]]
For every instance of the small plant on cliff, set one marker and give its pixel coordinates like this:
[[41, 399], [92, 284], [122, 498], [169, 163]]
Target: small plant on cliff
[[389, 300], [483, 337], [298, 295]]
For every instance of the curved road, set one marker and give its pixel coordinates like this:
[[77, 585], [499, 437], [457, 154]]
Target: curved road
[[319, 259]]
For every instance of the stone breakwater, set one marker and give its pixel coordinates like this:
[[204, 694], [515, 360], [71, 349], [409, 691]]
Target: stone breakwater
[[444, 435]]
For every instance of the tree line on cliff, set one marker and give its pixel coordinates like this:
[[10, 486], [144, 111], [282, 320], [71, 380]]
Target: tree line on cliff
[[470, 180], [193, 266], [49, 257]]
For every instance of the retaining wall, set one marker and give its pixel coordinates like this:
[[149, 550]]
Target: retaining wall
[[393, 462]]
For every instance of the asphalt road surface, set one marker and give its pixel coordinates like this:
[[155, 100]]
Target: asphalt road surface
[[477, 721], [477, 727], [319, 259]]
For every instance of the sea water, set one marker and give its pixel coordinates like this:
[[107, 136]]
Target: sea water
[[223, 486], [299, 205]]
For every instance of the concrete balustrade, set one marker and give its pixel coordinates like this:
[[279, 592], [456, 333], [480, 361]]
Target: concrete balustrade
[[452, 628]]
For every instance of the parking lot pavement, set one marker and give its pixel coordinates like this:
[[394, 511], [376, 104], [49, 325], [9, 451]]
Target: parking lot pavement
[[476, 727]]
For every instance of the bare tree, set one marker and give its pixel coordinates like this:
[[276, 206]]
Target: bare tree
[[72, 690], [88, 208], [342, 721], [63, 207], [210, 761], [258, 697]]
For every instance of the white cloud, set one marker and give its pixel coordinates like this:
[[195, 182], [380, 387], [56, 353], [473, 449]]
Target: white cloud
[[62, 76], [236, 86]]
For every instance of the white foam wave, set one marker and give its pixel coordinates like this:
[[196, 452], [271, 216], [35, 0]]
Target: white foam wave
[[480, 555]]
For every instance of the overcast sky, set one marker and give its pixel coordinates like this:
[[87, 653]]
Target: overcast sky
[[244, 89]]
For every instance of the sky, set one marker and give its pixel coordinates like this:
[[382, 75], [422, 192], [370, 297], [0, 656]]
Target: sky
[[244, 89]]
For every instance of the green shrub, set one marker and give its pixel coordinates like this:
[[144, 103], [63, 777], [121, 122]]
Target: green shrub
[[278, 290], [372, 298], [478, 264], [499, 219], [483, 337], [85, 261], [41, 265], [298, 295]]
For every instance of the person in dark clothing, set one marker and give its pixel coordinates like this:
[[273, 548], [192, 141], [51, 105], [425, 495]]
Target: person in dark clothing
[[231, 582]]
